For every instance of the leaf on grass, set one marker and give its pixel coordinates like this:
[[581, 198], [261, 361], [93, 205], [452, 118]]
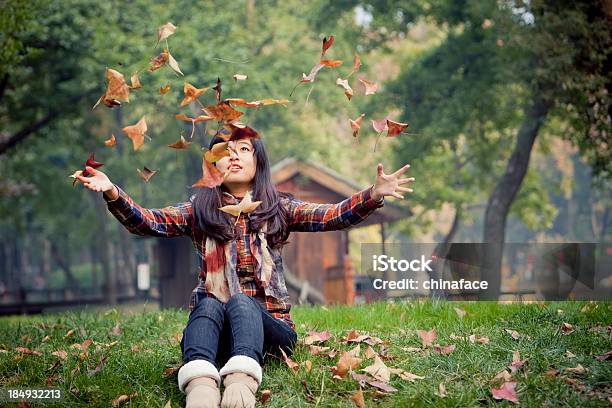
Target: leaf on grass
[[123, 398], [604, 356], [111, 142], [98, 368], [316, 337], [240, 77], [318, 350], [348, 91], [211, 176], [71, 332], [307, 365], [579, 369], [295, 367], [245, 206], [348, 361], [370, 353], [460, 312], [265, 396], [165, 31], [567, 328], [357, 398], [378, 370], [503, 375], [370, 87], [444, 350], [408, 376], [441, 390], [191, 93], [506, 392], [513, 333], [551, 373], [569, 354], [136, 132], [517, 363], [168, 371], [427, 337], [180, 144], [146, 173], [25, 350]]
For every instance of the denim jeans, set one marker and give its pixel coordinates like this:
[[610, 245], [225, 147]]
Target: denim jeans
[[242, 326]]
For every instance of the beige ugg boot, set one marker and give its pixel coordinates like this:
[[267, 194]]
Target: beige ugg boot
[[241, 377], [202, 392], [239, 391], [199, 379]]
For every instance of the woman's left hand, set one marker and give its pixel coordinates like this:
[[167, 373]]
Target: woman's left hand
[[390, 184]]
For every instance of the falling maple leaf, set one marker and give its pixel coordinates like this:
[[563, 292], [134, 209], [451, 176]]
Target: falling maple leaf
[[218, 151], [164, 89], [380, 125], [136, 133], [242, 102], [370, 86], [327, 43], [348, 91], [313, 73], [111, 142], [395, 128], [217, 89], [240, 77], [180, 144], [135, 80], [116, 90], [269, 101], [191, 93], [201, 118], [211, 176], [356, 124], [165, 31], [357, 398], [246, 205], [506, 392], [159, 61], [295, 367], [356, 63], [223, 112], [331, 63], [91, 162], [173, 64], [146, 173], [427, 337]]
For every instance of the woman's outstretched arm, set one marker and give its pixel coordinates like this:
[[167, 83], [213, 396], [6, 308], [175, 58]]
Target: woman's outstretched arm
[[304, 216], [169, 221]]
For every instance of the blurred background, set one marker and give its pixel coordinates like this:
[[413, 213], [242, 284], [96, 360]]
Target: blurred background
[[509, 139]]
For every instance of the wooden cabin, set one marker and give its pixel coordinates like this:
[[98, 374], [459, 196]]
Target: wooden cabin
[[316, 265]]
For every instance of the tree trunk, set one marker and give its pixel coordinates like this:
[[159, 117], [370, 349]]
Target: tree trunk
[[503, 195]]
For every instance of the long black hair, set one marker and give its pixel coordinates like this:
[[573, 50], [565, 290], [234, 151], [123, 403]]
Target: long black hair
[[221, 226]]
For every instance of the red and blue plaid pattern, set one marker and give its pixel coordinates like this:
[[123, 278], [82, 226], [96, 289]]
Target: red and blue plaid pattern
[[177, 220]]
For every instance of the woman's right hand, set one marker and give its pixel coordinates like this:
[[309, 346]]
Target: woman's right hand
[[98, 181]]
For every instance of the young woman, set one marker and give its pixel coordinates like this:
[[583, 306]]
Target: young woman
[[240, 307]]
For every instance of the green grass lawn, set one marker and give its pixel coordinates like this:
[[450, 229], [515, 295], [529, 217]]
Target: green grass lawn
[[140, 359]]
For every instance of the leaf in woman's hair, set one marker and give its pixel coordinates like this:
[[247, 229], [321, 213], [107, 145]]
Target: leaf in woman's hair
[[245, 206], [165, 31], [356, 124], [191, 93], [395, 128], [136, 132], [146, 173], [211, 176], [218, 151], [180, 144]]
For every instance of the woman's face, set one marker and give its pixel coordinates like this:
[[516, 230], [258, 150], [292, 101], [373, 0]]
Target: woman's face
[[241, 163]]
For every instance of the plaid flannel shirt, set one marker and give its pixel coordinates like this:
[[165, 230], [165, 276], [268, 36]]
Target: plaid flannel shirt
[[178, 220]]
